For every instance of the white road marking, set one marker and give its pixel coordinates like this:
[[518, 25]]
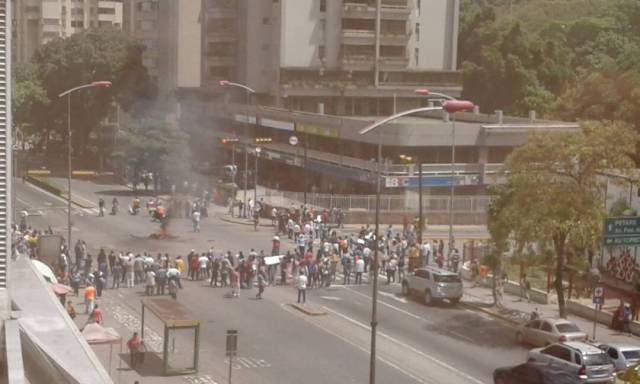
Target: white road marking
[[393, 296], [332, 298], [414, 350], [247, 362], [200, 380], [413, 315], [365, 350]]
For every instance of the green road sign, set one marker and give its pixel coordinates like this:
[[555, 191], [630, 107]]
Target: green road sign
[[621, 231]]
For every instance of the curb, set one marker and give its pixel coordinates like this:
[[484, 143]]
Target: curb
[[491, 313], [53, 189], [249, 223], [310, 310]]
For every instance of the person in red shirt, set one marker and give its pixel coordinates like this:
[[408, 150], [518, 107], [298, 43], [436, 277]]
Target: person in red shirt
[[96, 315], [134, 349]]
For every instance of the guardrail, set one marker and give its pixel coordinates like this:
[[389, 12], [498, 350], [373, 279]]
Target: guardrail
[[430, 204]]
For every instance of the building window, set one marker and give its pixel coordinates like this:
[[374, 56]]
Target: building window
[[106, 11], [77, 11], [419, 6], [416, 55], [50, 21], [77, 24], [323, 5], [322, 52], [417, 31], [31, 8], [266, 21], [147, 6]]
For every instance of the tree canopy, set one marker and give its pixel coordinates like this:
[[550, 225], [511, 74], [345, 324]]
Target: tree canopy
[[154, 146], [567, 59], [554, 190], [84, 57]]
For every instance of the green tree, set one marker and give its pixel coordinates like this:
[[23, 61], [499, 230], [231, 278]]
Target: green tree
[[27, 95], [155, 146], [554, 192], [84, 57]]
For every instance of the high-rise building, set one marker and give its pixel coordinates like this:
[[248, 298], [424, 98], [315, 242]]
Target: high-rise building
[[35, 22], [170, 32], [356, 57]]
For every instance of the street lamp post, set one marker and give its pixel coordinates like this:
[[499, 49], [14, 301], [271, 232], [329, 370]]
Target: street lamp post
[[249, 91], [426, 92], [450, 106], [68, 92], [255, 177]]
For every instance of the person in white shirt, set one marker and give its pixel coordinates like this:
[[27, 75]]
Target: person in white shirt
[[195, 216], [203, 261], [425, 253], [359, 270], [302, 288]]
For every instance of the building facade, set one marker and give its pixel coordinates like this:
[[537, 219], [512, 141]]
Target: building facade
[[171, 34], [355, 57], [35, 22]]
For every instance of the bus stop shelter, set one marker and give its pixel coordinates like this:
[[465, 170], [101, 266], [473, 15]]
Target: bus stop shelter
[[181, 335]]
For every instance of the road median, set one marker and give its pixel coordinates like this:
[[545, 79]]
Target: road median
[[46, 185]]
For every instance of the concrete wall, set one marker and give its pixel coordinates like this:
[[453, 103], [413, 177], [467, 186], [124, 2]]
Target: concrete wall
[[302, 33], [189, 44], [438, 34], [259, 23]]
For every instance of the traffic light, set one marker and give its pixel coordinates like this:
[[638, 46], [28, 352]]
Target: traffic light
[[263, 139], [228, 140]]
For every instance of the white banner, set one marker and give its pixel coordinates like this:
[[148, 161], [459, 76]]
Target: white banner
[[271, 260]]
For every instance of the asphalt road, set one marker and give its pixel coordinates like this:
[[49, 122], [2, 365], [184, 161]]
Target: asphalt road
[[278, 344]]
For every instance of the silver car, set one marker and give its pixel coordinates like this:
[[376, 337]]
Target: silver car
[[545, 331], [622, 355], [589, 363], [433, 284]]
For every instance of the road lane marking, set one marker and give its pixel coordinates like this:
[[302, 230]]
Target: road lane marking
[[247, 362], [206, 379], [363, 349], [413, 315], [331, 298], [393, 296], [404, 345]]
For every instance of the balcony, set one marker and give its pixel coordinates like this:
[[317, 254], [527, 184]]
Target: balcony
[[220, 61], [222, 13], [394, 63], [357, 62], [358, 37], [366, 11], [448, 79], [227, 36]]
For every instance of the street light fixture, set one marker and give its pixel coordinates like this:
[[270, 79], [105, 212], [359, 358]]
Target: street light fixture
[[450, 106], [249, 91], [68, 92]]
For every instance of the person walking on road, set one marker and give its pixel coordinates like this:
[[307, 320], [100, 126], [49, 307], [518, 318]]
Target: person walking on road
[[261, 284], [525, 286], [359, 270], [302, 288], [195, 217], [134, 349], [235, 283], [89, 298], [117, 275], [101, 207], [150, 282]]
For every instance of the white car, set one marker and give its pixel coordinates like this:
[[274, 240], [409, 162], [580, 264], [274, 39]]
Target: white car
[[589, 363], [545, 331], [622, 355]]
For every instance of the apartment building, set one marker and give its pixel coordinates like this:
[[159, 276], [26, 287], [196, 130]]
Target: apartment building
[[355, 57], [35, 22], [171, 34]]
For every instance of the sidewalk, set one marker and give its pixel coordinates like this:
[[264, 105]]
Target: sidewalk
[[516, 312]]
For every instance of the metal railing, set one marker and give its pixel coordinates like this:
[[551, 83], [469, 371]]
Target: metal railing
[[431, 204]]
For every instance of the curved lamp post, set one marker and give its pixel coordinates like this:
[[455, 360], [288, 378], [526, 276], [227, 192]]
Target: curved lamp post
[[68, 92], [450, 106], [249, 91]]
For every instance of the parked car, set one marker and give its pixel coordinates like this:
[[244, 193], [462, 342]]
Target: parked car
[[534, 373], [622, 355], [433, 284], [630, 375], [587, 362], [545, 331]]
